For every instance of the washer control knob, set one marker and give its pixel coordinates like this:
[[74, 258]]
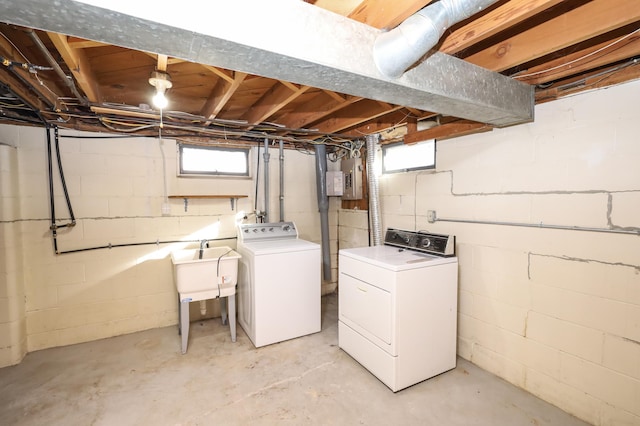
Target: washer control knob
[[286, 228], [263, 229], [426, 242], [255, 229]]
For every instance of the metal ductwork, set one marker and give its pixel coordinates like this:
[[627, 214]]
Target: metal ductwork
[[328, 51], [395, 51]]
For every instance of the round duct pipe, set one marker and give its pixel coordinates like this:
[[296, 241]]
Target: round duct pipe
[[374, 196], [396, 50]]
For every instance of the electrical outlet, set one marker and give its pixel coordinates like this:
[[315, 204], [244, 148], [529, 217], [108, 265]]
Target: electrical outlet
[[431, 216]]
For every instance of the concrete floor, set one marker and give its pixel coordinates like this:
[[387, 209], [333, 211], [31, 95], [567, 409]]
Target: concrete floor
[[142, 379]]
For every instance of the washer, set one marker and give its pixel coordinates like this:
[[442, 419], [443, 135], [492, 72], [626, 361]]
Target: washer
[[398, 306], [278, 283]]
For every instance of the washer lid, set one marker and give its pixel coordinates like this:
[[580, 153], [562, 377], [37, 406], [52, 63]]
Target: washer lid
[[394, 258], [258, 248]]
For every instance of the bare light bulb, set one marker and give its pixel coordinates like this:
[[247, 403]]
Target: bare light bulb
[[161, 81], [160, 100]]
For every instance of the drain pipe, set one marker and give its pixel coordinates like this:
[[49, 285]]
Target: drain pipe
[[323, 206], [266, 179], [374, 197], [396, 50], [281, 180]]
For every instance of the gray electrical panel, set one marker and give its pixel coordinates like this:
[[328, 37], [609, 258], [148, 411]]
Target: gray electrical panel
[[352, 169]]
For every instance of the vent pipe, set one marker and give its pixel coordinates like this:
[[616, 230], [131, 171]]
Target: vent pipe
[[374, 195], [266, 156], [323, 207], [395, 51], [281, 180]]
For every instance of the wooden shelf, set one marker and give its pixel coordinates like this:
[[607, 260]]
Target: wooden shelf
[[232, 198]]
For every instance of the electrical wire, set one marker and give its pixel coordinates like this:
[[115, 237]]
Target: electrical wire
[[595, 52]]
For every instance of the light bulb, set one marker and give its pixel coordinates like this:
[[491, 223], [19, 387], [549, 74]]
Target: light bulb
[[160, 100]]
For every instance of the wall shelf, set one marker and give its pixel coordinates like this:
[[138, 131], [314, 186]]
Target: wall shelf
[[232, 198]]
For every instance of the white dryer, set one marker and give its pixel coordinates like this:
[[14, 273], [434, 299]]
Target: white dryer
[[398, 306], [278, 283]]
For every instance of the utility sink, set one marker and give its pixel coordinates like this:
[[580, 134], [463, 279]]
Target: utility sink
[[209, 273], [216, 271]]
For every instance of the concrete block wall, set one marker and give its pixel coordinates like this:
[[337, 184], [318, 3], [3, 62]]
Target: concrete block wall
[[556, 312], [13, 334], [116, 188]]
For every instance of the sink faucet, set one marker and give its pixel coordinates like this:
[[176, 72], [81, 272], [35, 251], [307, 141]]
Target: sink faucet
[[203, 243]]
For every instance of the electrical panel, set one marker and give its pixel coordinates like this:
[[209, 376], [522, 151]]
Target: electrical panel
[[352, 169], [335, 183]]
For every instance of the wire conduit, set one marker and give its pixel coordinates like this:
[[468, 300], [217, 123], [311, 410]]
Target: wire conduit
[[538, 225]]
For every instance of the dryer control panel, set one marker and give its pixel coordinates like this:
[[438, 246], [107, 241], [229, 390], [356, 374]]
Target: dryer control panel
[[266, 231], [436, 244]]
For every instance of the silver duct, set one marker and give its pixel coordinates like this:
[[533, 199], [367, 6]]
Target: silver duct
[[396, 50], [266, 179], [374, 197], [281, 180], [323, 206]]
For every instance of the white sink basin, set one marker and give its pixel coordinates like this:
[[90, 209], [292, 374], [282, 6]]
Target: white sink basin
[[215, 273]]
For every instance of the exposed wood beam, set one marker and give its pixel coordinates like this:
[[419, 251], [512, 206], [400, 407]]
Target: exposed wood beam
[[341, 7], [344, 63], [358, 113], [28, 94], [80, 43], [169, 61], [590, 81], [584, 22], [314, 110], [223, 74], [337, 96], [79, 65], [583, 60], [387, 121], [384, 14], [499, 19], [272, 101], [162, 63], [220, 95], [9, 51], [449, 130]]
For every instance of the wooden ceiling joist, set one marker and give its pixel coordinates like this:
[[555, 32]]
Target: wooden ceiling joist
[[492, 22], [384, 14], [587, 21], [220, 95], [275, 99], [449, 130], [79, 65]]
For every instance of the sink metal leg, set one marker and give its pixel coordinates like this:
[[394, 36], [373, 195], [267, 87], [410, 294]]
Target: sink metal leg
[[223, 310], [231, 300], [179, 316], [184, 323]]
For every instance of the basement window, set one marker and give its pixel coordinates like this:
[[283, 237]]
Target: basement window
[[195, 160], [405, 158]]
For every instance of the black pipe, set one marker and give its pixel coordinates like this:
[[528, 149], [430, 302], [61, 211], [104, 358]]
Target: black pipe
[[110, 246], [52, 203], [64, 183], [323, 207]]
